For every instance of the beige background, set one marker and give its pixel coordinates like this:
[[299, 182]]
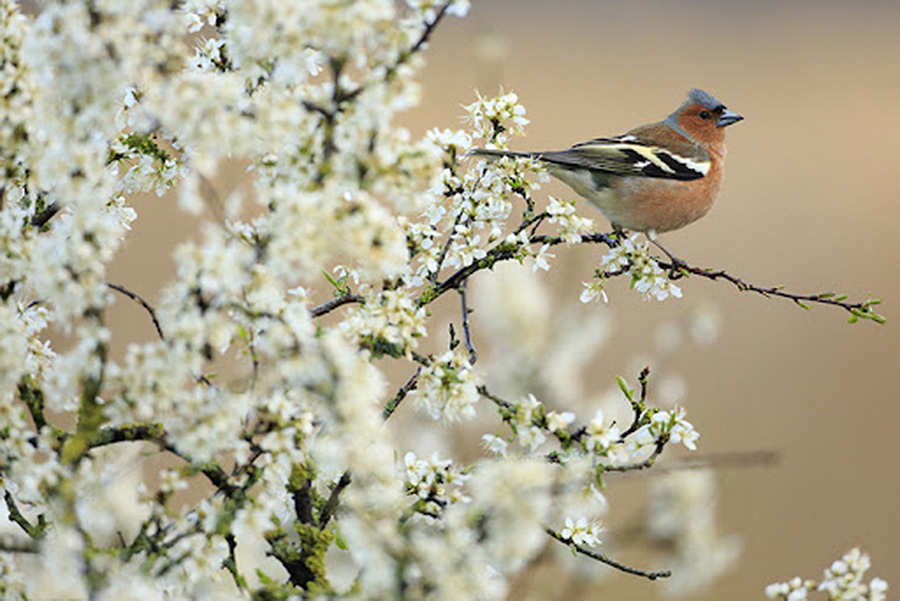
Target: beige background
[[810, 201]]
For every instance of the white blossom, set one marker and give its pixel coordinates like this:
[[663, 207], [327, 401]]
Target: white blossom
[[633, 257], [842, 581], [447, 388], [582, 531], [484, 112]]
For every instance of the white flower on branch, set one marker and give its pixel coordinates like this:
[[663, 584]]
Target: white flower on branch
[[582, 531], [447, 388], [842, 581]]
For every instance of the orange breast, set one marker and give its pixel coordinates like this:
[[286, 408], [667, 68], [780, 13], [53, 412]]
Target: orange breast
[[663, 205]]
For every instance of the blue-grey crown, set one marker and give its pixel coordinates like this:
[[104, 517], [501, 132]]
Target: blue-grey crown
[[704, 99]]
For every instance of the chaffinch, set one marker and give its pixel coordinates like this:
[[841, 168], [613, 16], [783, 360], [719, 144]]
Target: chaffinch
[[655, 178]]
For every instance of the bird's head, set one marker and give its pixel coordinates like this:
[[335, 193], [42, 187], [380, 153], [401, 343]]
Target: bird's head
[[703, 118]]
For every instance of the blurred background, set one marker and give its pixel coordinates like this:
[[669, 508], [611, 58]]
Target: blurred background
[[810, 201]]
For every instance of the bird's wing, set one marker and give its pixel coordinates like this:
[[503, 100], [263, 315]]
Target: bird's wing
[[632, 155]]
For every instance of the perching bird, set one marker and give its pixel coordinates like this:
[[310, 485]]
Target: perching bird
[[655, 178]]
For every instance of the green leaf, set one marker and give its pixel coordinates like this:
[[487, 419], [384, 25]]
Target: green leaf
[[623, 386], [338, 284], [339, 541]]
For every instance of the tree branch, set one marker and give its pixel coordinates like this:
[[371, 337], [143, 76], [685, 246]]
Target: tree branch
[[334, 304], [401, 394], [426, 33], [35, 531], [652, 575], [331, 504], [641, 465], [858, 310], [640, 406], [467, 331], [48, 213], [135, 297]]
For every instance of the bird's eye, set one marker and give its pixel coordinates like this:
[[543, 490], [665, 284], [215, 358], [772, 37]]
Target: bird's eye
[[705, 115]]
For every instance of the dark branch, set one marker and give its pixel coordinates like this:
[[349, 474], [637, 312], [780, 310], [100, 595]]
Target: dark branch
[[35, 531], [652, 575], [334, 304], [501, 252], [401, 394], [639, 407], [42, 218], [646, 463], [143, 303], [860, 309], [147, 432], [426, 33], [467, 331], [444, 250], [332, 503], [503, 404]]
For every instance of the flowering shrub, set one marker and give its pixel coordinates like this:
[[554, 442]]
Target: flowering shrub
[[842, 581], [297, 489]]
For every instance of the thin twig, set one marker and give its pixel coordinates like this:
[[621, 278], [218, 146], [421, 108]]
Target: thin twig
[[639, 407], [16, 516], [334, 304], [504, 404], [650, 574], [401, 394], [331, 504], [42, 218], [467, 332], [137, 298], [646, 463], [146, 432], [678, 267], [429, 27], [444, 250], [501, 252], [504, 252], [610, 240]]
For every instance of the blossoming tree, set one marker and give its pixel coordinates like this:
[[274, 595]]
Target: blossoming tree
[[298, 488]]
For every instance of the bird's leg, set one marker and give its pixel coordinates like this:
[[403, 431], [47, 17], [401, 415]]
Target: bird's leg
[[676, 263]]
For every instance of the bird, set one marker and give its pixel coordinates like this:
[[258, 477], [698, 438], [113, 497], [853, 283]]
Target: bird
[[654, 178]]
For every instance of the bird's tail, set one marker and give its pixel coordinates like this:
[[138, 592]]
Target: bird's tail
[[493, 153]]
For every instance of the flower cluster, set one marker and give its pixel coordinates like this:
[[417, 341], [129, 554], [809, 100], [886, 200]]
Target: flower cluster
[[632, 257], [533, 426], [387, 323], [571, 225], [842, 581], [447, 388], [494, 119], [435, 483], [603, 436], [663, 426], [582, 531]]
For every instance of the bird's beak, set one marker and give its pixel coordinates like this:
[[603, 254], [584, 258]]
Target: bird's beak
[[727, 118]]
